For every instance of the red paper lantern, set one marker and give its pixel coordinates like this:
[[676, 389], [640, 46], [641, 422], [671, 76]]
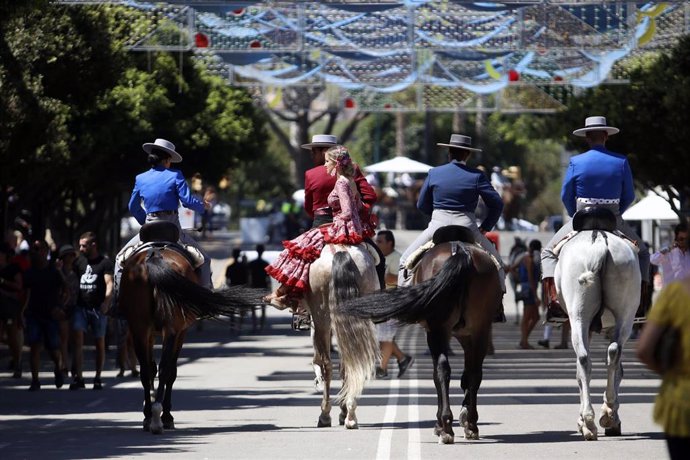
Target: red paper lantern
[[558, 78], [349, 103], [238, 12], [386, 106], [513, 75], [201, 40], [255, 44]]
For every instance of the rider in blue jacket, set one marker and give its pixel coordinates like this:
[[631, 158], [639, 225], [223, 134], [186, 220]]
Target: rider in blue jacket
[[450, 194], [157, 195], [597, 177]]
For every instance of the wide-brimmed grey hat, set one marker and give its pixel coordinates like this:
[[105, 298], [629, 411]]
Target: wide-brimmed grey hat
[[595, 124], [458, 141], [321, 140], [166, 146]]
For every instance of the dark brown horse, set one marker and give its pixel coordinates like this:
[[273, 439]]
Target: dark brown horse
[[160, 292], [456, 292]]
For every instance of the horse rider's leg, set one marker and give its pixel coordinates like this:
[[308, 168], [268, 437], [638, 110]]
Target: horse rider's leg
[[323, 367], [437, 339], [166, 371], [491, 249], [381, 267], [205, 270], [580, 339], [404, 276], [167, 418], [643, 258], [476, 347], [117, 274]]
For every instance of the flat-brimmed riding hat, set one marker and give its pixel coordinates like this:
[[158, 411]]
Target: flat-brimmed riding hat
[[321, 140], [166, 146], [458, 141], [595, 124]]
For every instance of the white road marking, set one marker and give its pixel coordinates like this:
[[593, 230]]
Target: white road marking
[[383, 451], [414, 443]]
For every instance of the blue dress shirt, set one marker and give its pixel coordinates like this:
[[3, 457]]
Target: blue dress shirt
[[598, 173], [457, 187], [161, 189]]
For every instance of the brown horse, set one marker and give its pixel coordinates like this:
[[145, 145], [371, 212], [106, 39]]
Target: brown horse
[[456, 292], [160, 292]]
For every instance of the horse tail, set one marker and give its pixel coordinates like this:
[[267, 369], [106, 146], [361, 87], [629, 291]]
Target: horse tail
[[172, 290], [425, 300], [356, 337], [597, 257]]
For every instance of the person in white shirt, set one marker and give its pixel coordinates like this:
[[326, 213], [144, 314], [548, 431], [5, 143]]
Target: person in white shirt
[[674, 261]]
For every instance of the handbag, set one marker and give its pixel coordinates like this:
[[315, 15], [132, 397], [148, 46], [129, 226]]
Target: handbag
[[667, 351]]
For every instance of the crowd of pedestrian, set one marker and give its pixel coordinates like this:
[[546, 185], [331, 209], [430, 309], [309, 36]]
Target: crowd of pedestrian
[[56, 298]]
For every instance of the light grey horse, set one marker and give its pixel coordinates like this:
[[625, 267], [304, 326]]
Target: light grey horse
[[598, 269], [339, 274]]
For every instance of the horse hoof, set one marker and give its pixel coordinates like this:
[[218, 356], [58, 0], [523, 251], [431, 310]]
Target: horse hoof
[[471, 434], [613, 431], [351, 425], [341, 419], [607, 421], [446, 438], [169, 425], [462, 418], [324, 421], [147, 424]]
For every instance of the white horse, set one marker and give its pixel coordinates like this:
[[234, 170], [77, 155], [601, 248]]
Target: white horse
[[339, 274], [599, 270]]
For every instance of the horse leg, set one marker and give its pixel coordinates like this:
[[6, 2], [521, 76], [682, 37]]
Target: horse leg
[[167, 418], [580, 339], [475, 347], [167, 366], [347, 407], [323, 367], [610, 420], [438, 345], [143, 351]]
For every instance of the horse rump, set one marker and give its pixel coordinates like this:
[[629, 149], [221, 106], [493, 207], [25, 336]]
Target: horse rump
[[411, 304]]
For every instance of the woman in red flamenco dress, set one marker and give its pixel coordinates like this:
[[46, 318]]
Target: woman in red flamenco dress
[[291, 268]]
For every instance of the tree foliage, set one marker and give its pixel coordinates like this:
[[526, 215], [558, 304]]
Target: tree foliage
[[77, 106]]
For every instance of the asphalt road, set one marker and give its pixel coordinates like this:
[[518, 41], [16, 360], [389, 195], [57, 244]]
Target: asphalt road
[[249, 395]]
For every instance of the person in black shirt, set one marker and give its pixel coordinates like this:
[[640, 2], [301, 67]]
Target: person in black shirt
[[95, 294]]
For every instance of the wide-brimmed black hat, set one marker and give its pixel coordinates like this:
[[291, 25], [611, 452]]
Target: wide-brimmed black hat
[[459, 141]]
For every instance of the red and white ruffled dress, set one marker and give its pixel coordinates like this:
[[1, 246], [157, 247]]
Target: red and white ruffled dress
[[292, 265]]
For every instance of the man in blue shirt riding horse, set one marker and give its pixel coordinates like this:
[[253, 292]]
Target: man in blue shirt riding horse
[[598, 177], [450, 194]]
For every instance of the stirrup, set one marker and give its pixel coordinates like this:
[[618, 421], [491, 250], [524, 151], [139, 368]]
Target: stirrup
[[640, 320]]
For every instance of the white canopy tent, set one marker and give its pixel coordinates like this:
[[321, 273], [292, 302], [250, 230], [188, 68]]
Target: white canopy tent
[[399, 165], [653, 211]]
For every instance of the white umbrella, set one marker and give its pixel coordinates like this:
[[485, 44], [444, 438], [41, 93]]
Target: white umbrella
[[398, 165], [651, 207]]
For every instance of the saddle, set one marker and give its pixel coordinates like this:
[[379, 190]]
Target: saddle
[[594, 218], [163, 234], [447, 234]]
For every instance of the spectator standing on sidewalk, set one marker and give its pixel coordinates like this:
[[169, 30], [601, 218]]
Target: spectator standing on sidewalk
[[65, 264], [46, 293], [11, 301], [386, 331], [95, 294]]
